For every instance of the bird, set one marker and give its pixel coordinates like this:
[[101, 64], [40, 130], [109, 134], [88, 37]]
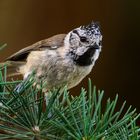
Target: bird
[[63, 59]]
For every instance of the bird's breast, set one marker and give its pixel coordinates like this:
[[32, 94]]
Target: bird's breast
[[79, 74], [56, 70]]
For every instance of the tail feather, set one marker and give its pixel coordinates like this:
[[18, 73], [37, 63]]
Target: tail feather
[[12, 67]]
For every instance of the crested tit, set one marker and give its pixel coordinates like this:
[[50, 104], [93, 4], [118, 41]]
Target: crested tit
[[64, 59]]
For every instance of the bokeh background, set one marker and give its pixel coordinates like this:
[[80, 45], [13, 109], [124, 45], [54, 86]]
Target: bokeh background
[[23, 22]]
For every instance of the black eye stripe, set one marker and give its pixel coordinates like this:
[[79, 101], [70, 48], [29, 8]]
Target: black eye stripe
[[76, 32], [82, 38]]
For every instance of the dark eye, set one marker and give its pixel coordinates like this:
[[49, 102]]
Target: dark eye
[[83, 39]]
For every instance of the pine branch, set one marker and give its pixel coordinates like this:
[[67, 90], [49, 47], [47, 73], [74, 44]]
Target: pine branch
[[64, 117]]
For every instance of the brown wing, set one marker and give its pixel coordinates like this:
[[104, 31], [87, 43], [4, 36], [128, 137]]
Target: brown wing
[[53, 42]]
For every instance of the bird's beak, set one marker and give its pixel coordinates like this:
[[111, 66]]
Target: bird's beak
[[95, 46]]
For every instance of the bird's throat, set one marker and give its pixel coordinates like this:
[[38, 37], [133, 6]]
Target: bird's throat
[[85, 59]]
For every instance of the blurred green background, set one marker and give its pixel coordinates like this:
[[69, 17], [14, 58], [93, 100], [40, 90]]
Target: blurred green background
[[23, 22]]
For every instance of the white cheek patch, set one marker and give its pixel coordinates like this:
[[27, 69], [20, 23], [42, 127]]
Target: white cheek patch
[[81, 50]]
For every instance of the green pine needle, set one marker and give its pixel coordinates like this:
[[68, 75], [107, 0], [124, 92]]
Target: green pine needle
[[3, 46], [25, 115]]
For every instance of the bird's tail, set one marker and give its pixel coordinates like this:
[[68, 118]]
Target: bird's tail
[[12, 67]]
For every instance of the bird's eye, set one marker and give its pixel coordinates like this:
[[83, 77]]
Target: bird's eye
[[83, 39]]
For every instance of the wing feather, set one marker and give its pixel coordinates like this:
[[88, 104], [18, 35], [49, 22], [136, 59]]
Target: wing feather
[[53, 42]]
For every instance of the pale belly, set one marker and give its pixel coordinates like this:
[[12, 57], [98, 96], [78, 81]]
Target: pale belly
[[62, 74], [79, 75], [56, 71]]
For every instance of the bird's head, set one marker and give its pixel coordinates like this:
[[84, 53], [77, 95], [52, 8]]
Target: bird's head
[[85, 41]]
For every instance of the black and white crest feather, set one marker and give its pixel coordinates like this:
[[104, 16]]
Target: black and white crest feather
[[85, 44]]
